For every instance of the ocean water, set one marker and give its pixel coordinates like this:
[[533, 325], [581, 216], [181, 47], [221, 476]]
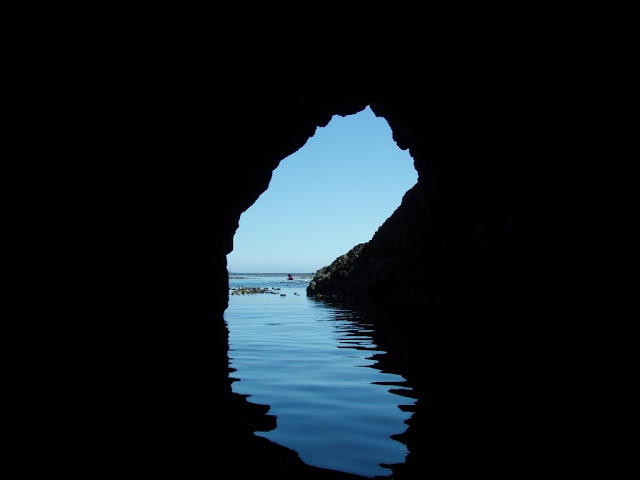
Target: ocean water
[[316, 366]]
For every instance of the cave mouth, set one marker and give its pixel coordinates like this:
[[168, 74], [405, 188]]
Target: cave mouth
[[330, 195], [332, 393]]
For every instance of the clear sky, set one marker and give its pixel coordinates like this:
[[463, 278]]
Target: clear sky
[[325, 198]]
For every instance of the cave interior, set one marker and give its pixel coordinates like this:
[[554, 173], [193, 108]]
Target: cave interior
[[168, 130]]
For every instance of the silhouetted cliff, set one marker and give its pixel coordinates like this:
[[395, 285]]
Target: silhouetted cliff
[[386, 269]]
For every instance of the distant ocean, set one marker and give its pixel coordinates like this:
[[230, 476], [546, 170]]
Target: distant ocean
[[316, 366], [301, 276]]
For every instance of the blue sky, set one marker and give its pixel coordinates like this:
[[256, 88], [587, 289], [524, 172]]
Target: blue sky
[[325, 198]]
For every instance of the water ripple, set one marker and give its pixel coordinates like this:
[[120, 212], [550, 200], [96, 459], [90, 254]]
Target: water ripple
[[314, 366]]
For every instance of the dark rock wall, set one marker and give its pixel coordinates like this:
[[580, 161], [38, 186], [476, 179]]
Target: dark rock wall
[[390, 268], [337, 279], [177, 135]]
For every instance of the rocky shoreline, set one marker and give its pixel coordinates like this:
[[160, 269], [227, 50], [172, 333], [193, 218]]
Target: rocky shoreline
[[253, 290]]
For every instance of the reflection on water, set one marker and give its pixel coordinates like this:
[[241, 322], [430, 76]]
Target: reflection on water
[[317, 367]]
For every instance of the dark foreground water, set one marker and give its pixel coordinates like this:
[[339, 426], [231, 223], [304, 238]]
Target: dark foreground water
[[316, 366]]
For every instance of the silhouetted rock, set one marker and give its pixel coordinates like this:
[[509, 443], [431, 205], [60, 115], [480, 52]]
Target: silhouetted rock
[[390, 267], [335, 279]]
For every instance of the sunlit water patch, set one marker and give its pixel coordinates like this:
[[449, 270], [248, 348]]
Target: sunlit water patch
[[316, 366]]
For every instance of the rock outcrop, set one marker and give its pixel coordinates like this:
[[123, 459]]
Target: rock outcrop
[[336, 279], [389, 268]]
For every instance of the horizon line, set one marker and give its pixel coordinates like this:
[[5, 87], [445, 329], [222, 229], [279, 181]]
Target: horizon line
[[272, 273]]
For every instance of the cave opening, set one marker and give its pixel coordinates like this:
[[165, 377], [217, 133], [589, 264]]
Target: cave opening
[[330, 195], [301, 356]]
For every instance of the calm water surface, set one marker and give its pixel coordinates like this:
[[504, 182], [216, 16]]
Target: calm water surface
[[316, 366]]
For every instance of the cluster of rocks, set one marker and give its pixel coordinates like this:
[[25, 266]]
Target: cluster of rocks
[[252, 290]]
